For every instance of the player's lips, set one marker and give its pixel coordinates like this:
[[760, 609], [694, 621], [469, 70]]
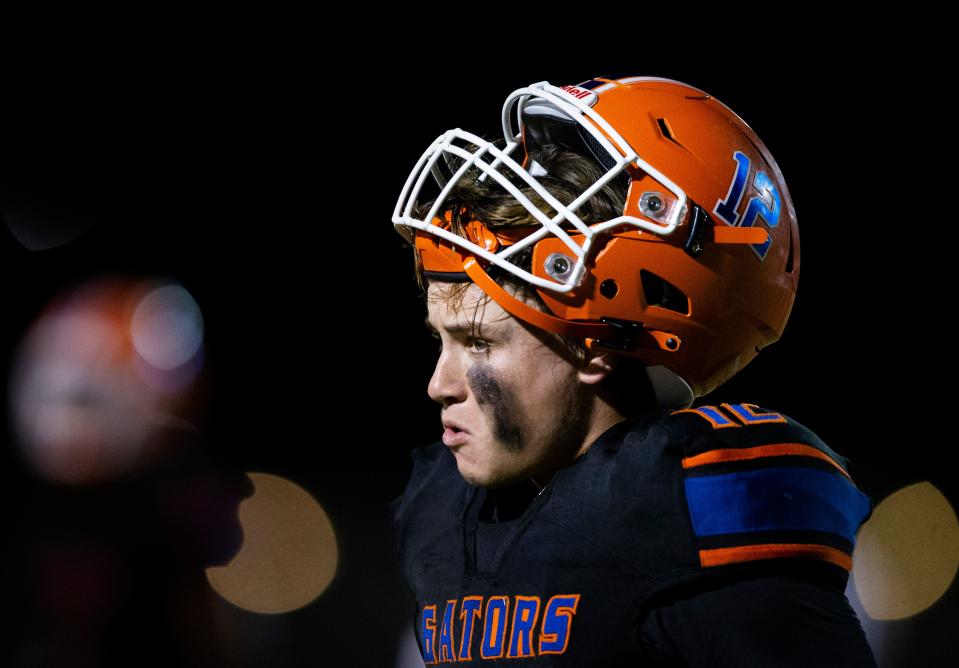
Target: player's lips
[[454, 434], [452, 438]]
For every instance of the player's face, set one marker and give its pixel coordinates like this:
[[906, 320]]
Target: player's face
[[518, 407]]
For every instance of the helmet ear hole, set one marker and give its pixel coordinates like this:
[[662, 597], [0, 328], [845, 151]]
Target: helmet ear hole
[[608, 288], [662, 293]]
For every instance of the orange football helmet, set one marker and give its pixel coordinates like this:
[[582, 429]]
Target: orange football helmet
[[694, 278]]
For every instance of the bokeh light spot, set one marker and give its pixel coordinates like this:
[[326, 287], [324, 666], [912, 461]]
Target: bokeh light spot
[[289, 552], [907, 554], [167, 327]]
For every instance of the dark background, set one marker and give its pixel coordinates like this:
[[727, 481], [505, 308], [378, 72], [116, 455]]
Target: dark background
[[262, 175]]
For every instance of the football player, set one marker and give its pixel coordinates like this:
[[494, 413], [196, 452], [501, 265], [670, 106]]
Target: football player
[[627, 247]]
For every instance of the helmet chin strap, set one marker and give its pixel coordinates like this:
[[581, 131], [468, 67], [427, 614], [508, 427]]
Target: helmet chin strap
[[616, 336], [535, 317]]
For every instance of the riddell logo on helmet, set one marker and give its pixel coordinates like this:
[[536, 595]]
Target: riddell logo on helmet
[[587, 96]]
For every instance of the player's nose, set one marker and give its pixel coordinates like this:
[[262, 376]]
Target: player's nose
[[447, 384]]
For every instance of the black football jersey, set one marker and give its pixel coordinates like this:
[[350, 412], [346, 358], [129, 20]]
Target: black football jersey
[[667, 502]]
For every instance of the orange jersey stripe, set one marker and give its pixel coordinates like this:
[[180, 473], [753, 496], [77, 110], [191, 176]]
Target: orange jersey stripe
[[757, 452], [730, 555]]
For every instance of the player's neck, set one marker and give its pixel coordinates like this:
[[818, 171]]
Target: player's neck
[[604, 417], [600, 417]]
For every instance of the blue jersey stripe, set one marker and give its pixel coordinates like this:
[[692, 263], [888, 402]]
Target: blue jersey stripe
[[776, 499]]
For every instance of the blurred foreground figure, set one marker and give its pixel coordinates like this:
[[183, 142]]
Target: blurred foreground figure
[[99, 375], [629, 248], [122, 509]]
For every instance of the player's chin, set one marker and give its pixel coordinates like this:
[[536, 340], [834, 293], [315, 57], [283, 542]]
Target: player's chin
[[470, 474], [473, 482], [475, 475], [491, 479]]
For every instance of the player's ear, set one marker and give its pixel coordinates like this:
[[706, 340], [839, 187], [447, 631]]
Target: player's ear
[[597, 367]]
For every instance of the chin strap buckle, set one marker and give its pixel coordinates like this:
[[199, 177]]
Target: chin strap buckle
[[630, 335], [627, 334]]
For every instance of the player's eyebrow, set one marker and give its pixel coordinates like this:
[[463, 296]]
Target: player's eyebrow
[[453, 329], [458, 328]]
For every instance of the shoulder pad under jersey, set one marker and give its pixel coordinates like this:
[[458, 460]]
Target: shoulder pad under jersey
[[431, 503], [760, 487]]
